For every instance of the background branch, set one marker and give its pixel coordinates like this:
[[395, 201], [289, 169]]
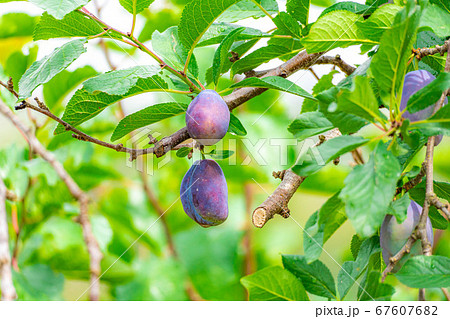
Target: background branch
[[93, 248], [6, 281]]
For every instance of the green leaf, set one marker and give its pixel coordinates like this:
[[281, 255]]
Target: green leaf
[[299, 9], [361, 101], [399, 207], [352, 270], [16, 25], [183, 152], [315, 277], [119, 82], [324, 83], [158, 20], [433, 63], [258, 57], [321, 226], [425, 272], [75, 24], [439, 123], [276, 83], [378, 22], [375, 290], [355, 245], [369, 190], [154, 279], [17, 63], [236, 126], [84, 105], [197, 17], [38, 282], [351, 6], [44, 70], [293, 45], [59, 8], [433, 18], [222, 53], [147, 116], [218, 31], [274, 283], [202, 264], [220, 154], [333, 30], [287, 25], [168, 45], [248, 9], [239, 49], [442, 3], [309, 124], [63, 83], [326, 152], [389, 63], [135, 6], [442, 190], [429, 94], [322, 3]]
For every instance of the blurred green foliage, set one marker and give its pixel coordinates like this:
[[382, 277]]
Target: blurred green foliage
[[51, 259]]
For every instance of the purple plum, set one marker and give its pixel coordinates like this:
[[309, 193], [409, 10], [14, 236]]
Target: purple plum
[[393, 235], [207, 118], [204, 193], [413, 82]]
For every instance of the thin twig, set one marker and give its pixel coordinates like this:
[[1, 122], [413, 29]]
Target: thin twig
[[400, 254], [421, 296], [413, 182], [439, 205], [91, 242], [6, 281], [314, 74], [446, 293], [10, 195]]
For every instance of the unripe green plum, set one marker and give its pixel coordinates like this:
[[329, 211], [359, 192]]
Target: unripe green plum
[[207, 118], [393, 235], [204, 193]]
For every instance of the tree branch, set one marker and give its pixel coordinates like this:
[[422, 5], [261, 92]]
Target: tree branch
[[7, 286], [11, 195], [420, 53], [233, 100], [437, 203], [420, 231], [337, 61], [413, 182], [242, 95], [277, 203], [91, 242]]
